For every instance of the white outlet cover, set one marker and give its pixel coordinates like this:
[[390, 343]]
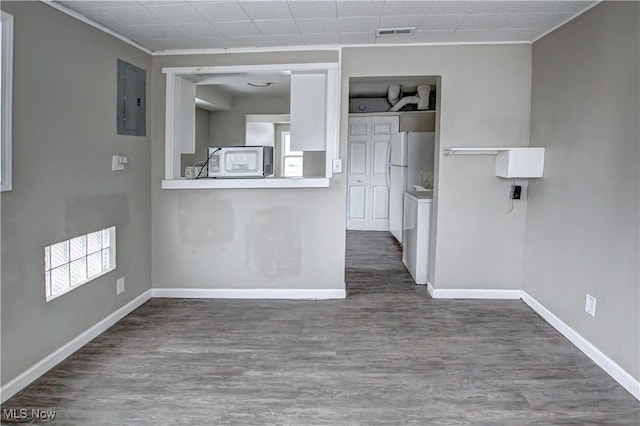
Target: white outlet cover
[[590, 305], [119, 285]]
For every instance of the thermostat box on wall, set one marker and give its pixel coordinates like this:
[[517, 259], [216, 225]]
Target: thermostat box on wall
[[520, 163]]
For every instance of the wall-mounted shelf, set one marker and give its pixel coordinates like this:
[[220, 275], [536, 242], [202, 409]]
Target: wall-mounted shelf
[[474, 151], [511, 162]]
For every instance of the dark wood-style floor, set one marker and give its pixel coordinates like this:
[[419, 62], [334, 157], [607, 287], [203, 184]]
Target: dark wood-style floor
[[388, 354]]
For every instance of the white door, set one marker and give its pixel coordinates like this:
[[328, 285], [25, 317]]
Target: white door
[[367, 188]]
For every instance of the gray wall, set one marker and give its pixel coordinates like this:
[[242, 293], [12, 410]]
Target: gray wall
[[484, 100], [64, 133], [228, 127], [202, 141], [582, 224], [268, 238], [218, 238]]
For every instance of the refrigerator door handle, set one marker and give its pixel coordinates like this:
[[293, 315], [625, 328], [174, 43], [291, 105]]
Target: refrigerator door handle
[[389, 163]]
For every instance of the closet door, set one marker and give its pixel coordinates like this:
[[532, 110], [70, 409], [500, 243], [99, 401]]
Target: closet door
[[367, 190]]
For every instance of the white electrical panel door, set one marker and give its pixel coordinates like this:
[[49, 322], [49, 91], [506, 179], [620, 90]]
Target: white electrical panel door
[[308, 111], [367, 172]]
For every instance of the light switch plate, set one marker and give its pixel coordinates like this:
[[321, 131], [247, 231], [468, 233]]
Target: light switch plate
[[118, 162], [590, 305], [337, 165]]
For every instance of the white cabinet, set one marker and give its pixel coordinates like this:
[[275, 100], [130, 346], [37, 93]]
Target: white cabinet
[[308, 111], [416, 228], [367, 172]]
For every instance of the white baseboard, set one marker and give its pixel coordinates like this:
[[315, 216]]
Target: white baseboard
[[463, 293], [246, 293], [430, 288], [53, 359], [625, 379]]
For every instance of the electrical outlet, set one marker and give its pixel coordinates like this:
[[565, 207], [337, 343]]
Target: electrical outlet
[[120, 285], [590, 305], [516, 192]]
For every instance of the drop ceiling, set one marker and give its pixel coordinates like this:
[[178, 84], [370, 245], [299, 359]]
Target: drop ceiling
[[194, 24]]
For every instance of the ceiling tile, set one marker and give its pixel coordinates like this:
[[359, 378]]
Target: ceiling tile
[[277, 27], [487, 22], [554, 6], [236, 29], [152, 31], [251, 41], [398, 8], [177, 13], [441, 22], [208, 43], [432, 36], [539, 20], [221, 11], [448, 7], [358, 38], [313, 9], [359, 8], [198, 31], [129, 15], [400, 21], [331, 38], [283, 40], [318, 26], [358, 25], [166, 43], [488, 7], [490, 36], [266, 9], [83, 5]]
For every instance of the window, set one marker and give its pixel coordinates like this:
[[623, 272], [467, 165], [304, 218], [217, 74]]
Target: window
[[71, 263], [6, 89], [292, 161]]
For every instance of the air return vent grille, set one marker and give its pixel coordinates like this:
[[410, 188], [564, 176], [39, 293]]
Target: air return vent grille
[[384, 32]]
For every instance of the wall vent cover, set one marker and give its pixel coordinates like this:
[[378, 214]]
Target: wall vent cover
[[384, 32]]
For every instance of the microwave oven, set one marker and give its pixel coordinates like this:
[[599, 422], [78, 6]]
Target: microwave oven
[[240, 161]]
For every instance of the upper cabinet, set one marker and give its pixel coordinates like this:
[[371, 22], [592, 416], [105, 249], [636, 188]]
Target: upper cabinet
[[313, 90], [308, 111]]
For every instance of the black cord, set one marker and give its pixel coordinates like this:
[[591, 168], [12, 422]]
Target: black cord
[[511, 209], [206, 163]]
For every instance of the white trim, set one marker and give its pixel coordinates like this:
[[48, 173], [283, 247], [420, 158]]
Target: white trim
[[566, 21], [224, 50], [249, 293], [625, 379], [95, 25], [6, 177], [53, 359], [464, 293], [430, 289], [245, 183], [232, 69]]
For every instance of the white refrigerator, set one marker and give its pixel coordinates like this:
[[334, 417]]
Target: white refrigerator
[[410, 154]]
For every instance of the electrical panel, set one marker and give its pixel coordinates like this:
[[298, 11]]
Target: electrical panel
[[132, 100]]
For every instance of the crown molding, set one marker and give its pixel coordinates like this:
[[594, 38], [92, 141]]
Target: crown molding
[[95, 25]]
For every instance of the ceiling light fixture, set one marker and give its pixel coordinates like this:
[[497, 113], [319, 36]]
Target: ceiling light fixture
[[383, 32], [265, 84]]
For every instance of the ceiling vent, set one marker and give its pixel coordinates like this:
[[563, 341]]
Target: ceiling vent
[[384, 32]]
